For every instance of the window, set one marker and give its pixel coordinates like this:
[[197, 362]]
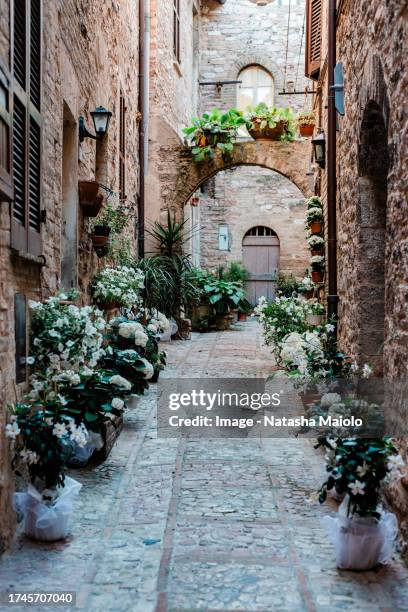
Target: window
[[6, 181], [260, 230], [257, 86], [176, 29], [313, 38], [26, 146], [122, 147]]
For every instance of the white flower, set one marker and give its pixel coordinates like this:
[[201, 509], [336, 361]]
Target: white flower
[[34, 305], [117, 403], [394, 462], [354, 367], [367, 371], [141, 339], [12, 430], [54, 334], [330, 327], [60, 430], [30, 360], [330, 398], [119, 381], [357, 487], [152, 328], [149, 369], [29, 456]]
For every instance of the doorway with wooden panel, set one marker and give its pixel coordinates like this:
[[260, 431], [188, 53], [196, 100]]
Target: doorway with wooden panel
[[260, 256]]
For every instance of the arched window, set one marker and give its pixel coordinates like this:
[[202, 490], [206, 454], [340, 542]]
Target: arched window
[[257, 86], [260, 230]]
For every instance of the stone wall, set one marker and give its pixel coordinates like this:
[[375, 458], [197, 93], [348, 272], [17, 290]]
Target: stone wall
[[240, 33], [90, 51], [173, 95], [247, 196]]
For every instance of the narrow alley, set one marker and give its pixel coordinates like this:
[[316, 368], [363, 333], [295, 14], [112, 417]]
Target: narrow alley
[[228, 524]]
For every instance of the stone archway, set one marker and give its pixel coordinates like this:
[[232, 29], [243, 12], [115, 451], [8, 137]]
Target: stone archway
[[184, 177]]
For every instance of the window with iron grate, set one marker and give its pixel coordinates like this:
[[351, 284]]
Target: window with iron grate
[[26, 124]]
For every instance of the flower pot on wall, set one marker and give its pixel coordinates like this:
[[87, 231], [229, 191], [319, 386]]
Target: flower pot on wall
[[306, 130], [314, 319], [316, 227], [317, 276], [268, 133], [89, 198], [242, 316], [100, 235], [317, 252]]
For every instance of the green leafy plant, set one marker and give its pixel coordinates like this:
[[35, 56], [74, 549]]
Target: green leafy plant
[[235, 273], [314, 213], [170, 237], [357, 468], [317, 263], [287, 285], [314, 202], [223, 295], [116, 218], [263, 116], [212, 131]]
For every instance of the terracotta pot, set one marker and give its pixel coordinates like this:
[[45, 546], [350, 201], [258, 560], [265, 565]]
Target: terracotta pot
[[317, 252], [316, 227], [268, 133], [306, 130], [89, 198], [314, 319], [317, 277], [242, 316], [308, 294], [99, 240], [109, 305]]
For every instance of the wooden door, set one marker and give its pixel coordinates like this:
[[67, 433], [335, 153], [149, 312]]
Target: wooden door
[[261, 259]]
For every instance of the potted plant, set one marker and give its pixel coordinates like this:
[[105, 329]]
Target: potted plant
[[317, 265], [118, 287], [112, 220], [315, 244], [89, 198], [212, 131], [314, 202], [314, 220], [264, 122], [223, 296], [362, 533], [42, 445], [307, 287], [316, 314], [306, 122]]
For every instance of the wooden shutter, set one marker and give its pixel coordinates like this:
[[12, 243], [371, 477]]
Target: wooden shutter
[[122, 147], [6, 180], [26, 149], [313, 52]]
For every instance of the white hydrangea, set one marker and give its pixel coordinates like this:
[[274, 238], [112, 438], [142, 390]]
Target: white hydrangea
[[119, 381], [28, 456], [117, 403], [149, 369], [12, 428], [330, 398], [141, 339]]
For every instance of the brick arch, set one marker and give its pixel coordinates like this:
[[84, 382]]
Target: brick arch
[[292, 160]]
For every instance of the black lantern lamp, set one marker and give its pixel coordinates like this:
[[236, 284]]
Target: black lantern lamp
[[101, 119], [319, 147]]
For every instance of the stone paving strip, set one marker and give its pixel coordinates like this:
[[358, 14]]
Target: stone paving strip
[[205, 524]]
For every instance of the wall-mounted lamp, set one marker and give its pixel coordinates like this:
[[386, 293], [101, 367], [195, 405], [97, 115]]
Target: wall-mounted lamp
[[101, 119], [319, 147]]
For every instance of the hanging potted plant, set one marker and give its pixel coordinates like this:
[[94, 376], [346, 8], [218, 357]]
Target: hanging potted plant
[[270, 123], [314, 220], [212, 131], [317, 265], [362, 533], [315, 244], [111, 221], [306, 122]]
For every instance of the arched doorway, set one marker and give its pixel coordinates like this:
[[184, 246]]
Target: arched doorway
[[260, 251], [372, 217]]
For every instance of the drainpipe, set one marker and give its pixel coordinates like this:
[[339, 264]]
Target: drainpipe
[[332, 297], [144, 90]]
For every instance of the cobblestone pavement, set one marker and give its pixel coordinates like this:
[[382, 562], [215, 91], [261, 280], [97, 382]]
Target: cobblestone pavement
[[202, 525]]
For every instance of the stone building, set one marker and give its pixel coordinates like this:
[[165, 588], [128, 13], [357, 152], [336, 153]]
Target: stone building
[[363, 184], [251, 54], [82, 55]]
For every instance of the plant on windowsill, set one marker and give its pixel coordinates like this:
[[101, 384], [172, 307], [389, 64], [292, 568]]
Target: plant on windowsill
[[212, 131], [317, 265], [306, 122], [271, 123]]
